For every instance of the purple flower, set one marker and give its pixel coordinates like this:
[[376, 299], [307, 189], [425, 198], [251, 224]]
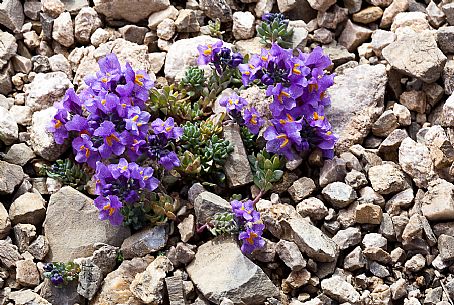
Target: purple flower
[[109, 208], [78, 123], [250, 71], [85, 151], [121, 169], [56, 279], [107, 102], [244, 210], [167, 128], [71, 102], [233, 102], [169, 160], [111, 139], [283, 99], [137, 84], [137, 121], [133, 145], [253, 120], [283, 141], [109, 66], [236, 60], [206, 53], [148, 181], [252, 238], [57, 126]]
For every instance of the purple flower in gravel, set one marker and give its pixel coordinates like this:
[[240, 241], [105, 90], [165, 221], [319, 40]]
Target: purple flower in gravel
[[167, 128], [206, 53], [137, 121], [85, 151], [244, 210], [109, 209], [283, 140], [233, 102], [109, 66], [78, 123], [169, 160], [253, 120], [252, 238], [250, 71], [112, 142], [133, 145], [71, 102], [120, 169], [57, 126], [282, 99]]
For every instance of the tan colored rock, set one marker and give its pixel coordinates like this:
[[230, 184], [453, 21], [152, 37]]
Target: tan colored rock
[[369, 214], [368, 15], [396, 7], [28, 208], [27, 273], [354, 35]]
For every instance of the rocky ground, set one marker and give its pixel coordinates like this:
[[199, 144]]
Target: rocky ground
[[375, 225]]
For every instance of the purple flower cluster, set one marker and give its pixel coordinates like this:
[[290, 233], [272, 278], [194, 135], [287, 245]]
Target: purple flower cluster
[[108, 124], [249, 220], [298, 85], [236, 107], [218, 55]]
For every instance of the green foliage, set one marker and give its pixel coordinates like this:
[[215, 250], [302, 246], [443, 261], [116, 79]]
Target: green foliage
[[223, 223], [266, 168], [193, 81], [249, 140], [152, 208], [203, 151], [215, 28], [68, 172], [276, 31], [172, 102]]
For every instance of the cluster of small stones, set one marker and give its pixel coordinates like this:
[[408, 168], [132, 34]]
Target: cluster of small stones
[[375, 225]]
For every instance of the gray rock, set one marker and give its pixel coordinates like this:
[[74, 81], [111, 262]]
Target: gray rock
[[28, 208], [39, 247], [105, 258], [187, 21], [9, 131], [9, 254], [90, 278], [399, 289], [156, 18], [32, 9], [446, 247], [353, 36], [243, 25], [133, 33], [207, 204], [347, 238], [230, 274], [5, 222], [355, 107], [23, 235], [438, 202], [148, 286], [435, 15], [371, 240], [175, 290], [27, 274], [313, 208], [74, 6], [339, 194], [166, 29], [445, 36], [321, 5], [385, 124], [12, 15], [355, 260], [6, 86], [216, 9], [340, 290], [237, 168], [447, 75], [403, 56], [41, 140], [63, 30], [11, 175], [448, 9], [302, 188], [116, 291], [67, 294], [333, 170], [387, 178], [187, 228], [59, 63], [416, 263], [181, 254], [356, 179], [338, 54], [80, 214], [414, 158], [284, 223], [85, 23], [26, 297], [46, 89], [127, 10], [21, 64], [144, 242], [289, 253], [40, 63], [8, 47], [378, 270]]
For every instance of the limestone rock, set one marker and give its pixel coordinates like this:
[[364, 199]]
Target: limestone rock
[[302, 188], [237, 168], [132, 11], [8, 47], [414, 158], [416, 55], [12, 15], [148, 286], [28, 208], [9, 131], [144, 242], [79, 214], [207, 204], [90, 278], [216, 9], [353, 36], [42, 141], [387, 178], [11, 175], [63, 30], [340, 290], [26, 273], [321, 5], [27, 297], [339, 194], [220, 269], [9, 254], [243, 25], [438, 202], [85, 23], [46, 89], [357, 101]]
